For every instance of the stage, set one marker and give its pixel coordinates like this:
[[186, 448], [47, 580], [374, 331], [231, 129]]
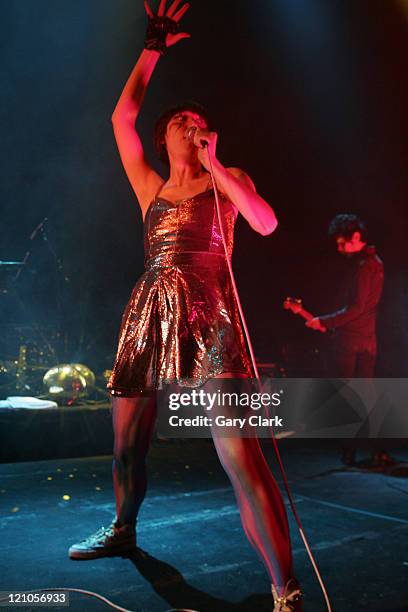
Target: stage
[[193, 552], [112, 230]]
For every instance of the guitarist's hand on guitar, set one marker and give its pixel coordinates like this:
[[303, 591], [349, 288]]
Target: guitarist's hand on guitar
[[296, 307], [316, 324]]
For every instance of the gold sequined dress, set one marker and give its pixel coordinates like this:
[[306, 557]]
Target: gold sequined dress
[[181, 323]]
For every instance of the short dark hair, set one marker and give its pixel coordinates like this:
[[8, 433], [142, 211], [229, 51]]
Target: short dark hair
[[161, 125], [344, 225]]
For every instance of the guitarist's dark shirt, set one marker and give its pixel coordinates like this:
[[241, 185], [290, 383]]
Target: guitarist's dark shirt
[[362, 292]]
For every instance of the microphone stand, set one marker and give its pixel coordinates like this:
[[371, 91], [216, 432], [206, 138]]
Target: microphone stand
[[39, 228]]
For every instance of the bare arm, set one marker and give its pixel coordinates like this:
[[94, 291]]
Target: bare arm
[[237, 186], [144, 179]]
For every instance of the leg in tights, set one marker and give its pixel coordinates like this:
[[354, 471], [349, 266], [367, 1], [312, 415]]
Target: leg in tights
[[260, 503], [133, 423]]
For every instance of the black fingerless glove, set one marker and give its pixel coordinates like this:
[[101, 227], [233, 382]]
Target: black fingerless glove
[[157, 30]]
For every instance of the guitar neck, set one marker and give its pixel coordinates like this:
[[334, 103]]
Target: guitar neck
[[305, 314], [297, 308]]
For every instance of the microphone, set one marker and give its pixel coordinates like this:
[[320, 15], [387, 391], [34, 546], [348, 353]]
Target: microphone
[[38, 228], [190, 133]]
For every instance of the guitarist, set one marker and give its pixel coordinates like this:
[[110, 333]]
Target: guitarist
[[355, 345], [354, 325]]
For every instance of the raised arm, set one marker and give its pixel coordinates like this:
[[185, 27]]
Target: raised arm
[[161, 33]]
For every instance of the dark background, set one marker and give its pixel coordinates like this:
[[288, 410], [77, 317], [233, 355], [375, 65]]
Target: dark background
[[309, 97]]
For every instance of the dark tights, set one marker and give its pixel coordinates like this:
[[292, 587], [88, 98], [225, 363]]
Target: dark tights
[[259, 500], [133, 424]]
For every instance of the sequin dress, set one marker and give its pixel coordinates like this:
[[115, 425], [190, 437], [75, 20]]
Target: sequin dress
[[181, 324]]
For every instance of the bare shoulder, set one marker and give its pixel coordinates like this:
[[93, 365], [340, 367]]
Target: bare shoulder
[[243, 176]]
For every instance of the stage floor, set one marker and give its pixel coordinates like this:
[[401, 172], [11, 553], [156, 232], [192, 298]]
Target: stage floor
[[194, 553]]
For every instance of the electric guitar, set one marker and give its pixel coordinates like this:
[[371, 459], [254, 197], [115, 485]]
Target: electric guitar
[[296, 306]]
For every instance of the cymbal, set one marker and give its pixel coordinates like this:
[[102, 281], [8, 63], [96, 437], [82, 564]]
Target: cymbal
[[11, 263]]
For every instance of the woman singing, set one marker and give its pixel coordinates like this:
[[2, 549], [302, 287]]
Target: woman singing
[[182, 323]]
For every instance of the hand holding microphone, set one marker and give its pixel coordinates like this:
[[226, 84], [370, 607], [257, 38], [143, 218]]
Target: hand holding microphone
[[199, 137], [206, 143]]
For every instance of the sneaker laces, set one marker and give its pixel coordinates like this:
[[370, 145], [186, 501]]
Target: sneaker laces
[[103, 531]]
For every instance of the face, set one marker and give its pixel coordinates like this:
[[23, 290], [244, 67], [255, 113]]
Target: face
[[175, 137], [349, 246]]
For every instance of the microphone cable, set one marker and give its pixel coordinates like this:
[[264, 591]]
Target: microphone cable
[[105, 600]]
